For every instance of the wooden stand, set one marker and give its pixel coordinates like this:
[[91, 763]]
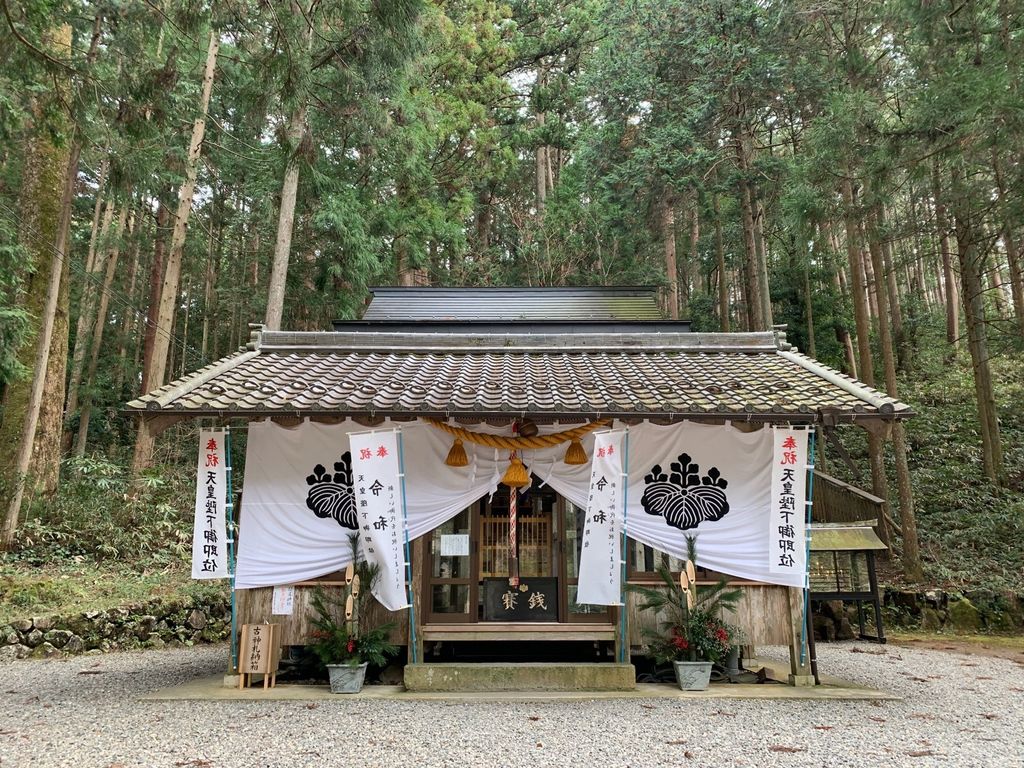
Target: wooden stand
[[259, 654]]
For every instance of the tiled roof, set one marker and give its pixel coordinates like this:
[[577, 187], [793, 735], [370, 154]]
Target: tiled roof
[[681, 375]]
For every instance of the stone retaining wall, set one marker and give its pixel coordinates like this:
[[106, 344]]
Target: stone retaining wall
[[150, 625], [930, 611]]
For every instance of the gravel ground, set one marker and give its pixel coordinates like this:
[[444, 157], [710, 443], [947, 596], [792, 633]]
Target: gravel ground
[[957, 710]]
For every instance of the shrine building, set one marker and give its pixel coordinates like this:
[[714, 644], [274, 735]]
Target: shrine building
[[488, 383]]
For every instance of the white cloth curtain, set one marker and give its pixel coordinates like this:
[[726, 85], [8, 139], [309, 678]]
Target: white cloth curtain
[[282, 541]]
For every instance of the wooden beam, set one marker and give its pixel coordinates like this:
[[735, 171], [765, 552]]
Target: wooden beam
[[799, 674]]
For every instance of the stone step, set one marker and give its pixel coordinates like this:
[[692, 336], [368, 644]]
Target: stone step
[[528, 676]]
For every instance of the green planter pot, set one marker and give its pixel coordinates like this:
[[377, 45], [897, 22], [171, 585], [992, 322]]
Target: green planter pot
[[346, 678], [693, 675]]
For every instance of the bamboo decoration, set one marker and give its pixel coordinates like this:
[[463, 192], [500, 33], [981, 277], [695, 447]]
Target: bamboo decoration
[[349, 604], [350, 573], [688, 581]]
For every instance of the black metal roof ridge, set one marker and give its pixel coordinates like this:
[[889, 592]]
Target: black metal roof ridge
[[580, 290], [406, 340], [569, 326]]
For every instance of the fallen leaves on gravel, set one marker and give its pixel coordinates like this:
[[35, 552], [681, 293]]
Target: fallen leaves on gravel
[[990, 716], [91, 671], [676, 741], [876, 719], [196, 762], [533, 717], [879, 652], [922, 753], [723, 714], [823, 727], [784, 748]]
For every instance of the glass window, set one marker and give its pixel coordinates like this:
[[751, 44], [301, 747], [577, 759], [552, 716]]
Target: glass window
[[452, 536], [450, 598]]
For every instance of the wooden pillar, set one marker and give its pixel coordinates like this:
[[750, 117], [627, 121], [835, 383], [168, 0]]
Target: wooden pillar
[[799, 674], [419, 600]]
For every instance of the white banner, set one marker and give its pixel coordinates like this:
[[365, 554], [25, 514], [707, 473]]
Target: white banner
[[209, 532], [600, 579], [787, 520], [377, 483], [713, 481]]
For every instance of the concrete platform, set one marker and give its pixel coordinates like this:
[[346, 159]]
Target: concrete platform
[[522, 677], [213, 689]]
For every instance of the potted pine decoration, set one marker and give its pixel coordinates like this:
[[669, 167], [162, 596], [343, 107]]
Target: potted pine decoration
[[347, 647], [692, 634]]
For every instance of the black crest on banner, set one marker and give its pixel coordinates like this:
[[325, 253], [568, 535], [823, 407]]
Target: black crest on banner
[[333, 495], [684, 498]]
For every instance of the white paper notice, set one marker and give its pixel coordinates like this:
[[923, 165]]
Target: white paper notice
[[209, 531], [600, 581], [378, 495], [283, 601], [454, 544], [787, 523]]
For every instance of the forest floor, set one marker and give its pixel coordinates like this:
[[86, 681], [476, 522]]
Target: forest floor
[[75, 587]]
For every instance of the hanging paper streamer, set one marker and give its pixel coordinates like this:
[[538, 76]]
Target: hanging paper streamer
[[209, 533], [787, 521], [378, 500], [600, 581]]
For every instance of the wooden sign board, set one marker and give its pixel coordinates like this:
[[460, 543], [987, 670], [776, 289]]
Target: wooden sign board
[[535, 599], [259, 653]]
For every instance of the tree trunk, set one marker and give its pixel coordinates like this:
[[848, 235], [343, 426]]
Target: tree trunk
[[157, 367], [156, 277], [908, 520], [297, 128], [46, 196], [894, 311], [129, 323], [1013, 256], [858, 286], [761, 248], [971, 272], [87, 307], [723, 287], [948, 278], [668, 239], [210, 277], [285, 221], [809, 310], [97, 337], [752, 265], [693, 259]]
